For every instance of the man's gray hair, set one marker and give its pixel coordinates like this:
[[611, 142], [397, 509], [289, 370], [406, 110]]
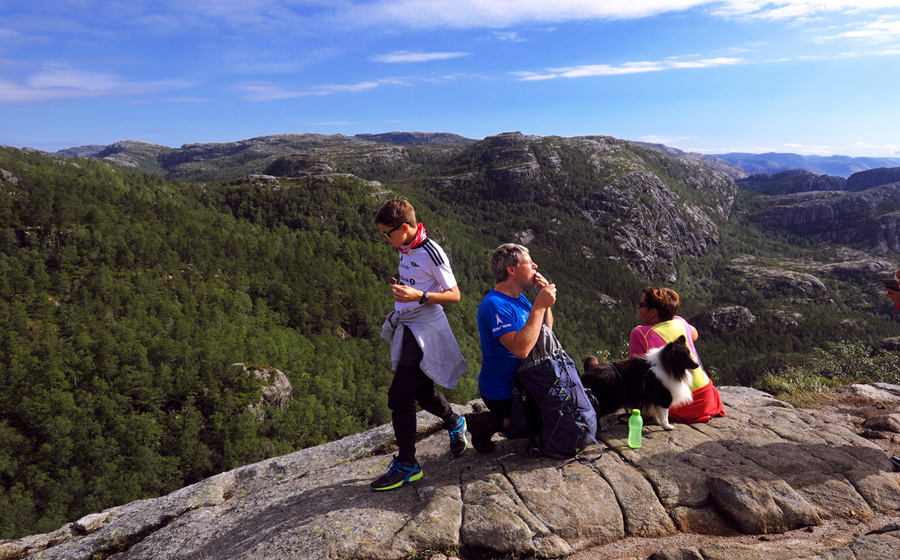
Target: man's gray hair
[[506, 255]]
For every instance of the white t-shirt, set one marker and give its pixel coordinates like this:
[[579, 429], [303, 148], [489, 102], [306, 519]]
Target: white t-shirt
[[425, 268]]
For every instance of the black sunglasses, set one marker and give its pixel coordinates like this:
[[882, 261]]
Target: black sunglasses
[[387, 234]]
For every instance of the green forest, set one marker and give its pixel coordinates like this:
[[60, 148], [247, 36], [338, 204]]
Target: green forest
[[125, 299]]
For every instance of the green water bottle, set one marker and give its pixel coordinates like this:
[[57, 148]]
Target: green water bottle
[[635, 425]]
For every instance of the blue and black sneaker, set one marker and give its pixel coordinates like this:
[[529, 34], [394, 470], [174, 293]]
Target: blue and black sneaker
[[458, 440], [397, 475]]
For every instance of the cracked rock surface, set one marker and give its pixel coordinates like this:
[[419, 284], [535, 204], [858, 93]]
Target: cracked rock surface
[[765, 481]]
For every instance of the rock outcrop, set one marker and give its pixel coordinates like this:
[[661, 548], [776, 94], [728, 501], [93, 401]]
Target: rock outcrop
[[725, 320], [763, 480], [790, 182], [868, 219], [778, 279], [417, 138], [873, 178], [275, 388]]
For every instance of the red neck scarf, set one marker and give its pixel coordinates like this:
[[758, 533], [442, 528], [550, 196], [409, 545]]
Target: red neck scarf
[[420, 237]]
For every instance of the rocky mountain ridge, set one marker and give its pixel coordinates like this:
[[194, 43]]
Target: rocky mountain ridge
[[658, 204]]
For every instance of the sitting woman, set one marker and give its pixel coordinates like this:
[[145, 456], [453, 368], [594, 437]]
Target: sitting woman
[[661, 326]]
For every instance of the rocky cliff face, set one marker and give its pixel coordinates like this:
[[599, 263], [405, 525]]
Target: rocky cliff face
[[656, 209], [866, 219]]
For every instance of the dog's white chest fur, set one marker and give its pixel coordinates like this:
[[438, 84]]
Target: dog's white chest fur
[[676, 381]]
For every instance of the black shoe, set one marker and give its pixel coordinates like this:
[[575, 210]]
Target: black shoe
[[482, 426], [896, 461], [397, 475], [458, 440]]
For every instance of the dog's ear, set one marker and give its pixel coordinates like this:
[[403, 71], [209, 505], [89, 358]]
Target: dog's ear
[[681, 340], [591, 362]]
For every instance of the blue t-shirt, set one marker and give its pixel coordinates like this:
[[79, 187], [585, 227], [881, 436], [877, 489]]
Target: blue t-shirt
[[499, 314]]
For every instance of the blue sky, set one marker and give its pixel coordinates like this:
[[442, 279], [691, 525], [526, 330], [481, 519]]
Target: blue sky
[[803, 76]]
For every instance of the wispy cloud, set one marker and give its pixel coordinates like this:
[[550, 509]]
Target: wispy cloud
[[882, 30], [411, 56], [893, 149], [258, 91], [264, 92], [510, 36], [467, 14], [590, 70], [273, 61], [65, 83], [653, 139], [800, 10], [810, 150]]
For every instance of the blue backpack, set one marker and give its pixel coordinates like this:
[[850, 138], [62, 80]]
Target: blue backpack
[[550, 405]]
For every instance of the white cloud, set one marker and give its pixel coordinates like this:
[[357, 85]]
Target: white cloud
[[266, 92], [893, 149], [345, 88], [590, 70], [410, 56], [780, 10], [884, 29], [465, 14], [258, 91], [510, 36], [811, 150], [66, 83], [653, 139]]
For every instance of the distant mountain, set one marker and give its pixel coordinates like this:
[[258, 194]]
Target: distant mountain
[[235, 160], [793, 181], [90, 150], [841, 166], [732, 170], [417, 138]]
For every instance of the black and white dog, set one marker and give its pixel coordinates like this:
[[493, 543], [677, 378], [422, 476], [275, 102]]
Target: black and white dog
[[651, 383]]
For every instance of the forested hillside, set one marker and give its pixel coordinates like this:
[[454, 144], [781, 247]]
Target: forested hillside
[[125, 299], [123, 302]]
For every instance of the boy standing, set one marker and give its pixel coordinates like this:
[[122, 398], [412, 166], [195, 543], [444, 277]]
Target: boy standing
[[423, 348]]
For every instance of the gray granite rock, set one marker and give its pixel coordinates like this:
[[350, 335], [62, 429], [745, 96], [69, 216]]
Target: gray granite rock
[[765, 469]]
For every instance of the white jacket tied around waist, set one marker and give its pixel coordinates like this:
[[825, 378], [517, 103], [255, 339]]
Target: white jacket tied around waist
[[441, 359]]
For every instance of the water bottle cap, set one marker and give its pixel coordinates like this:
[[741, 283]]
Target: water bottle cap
[[635, 411]]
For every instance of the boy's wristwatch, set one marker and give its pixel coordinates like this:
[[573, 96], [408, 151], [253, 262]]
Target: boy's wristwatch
[[424, 299]]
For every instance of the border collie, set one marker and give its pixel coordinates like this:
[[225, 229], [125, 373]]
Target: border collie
[[651, 383]]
